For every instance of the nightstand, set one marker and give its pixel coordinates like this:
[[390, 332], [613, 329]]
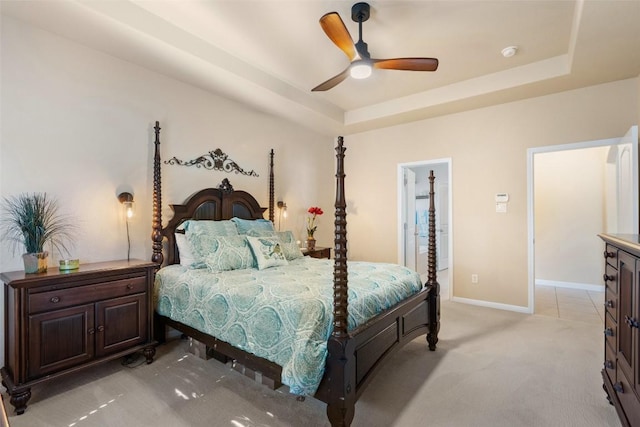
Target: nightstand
[[318, 252], [60, 322]]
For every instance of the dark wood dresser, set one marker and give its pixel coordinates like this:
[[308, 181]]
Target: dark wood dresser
[[621, 372], [57, 322]]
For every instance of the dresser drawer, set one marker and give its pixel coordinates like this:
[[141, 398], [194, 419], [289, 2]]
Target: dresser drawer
[[611, 303], [611, 279], [610, 331], [611, 255], [628, 399], [53, 300], [610, 362]]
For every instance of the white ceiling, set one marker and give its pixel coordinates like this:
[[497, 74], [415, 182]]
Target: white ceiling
[[271, 53]]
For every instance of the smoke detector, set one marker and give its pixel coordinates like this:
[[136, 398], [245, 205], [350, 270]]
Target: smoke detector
[[509, 51]]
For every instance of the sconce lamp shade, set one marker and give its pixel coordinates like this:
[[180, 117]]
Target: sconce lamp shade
[[283, 208], [127, 201]]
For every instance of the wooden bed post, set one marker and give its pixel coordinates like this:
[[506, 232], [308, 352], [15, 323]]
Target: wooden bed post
[[432, 280], [341, 404], [156, 226], [271, 183]]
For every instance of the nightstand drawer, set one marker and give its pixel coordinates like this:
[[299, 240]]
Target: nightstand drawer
[[62, 298], [318, 253]]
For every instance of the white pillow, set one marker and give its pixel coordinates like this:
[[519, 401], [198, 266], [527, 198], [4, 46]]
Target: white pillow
[[267, 251], [184, 249]]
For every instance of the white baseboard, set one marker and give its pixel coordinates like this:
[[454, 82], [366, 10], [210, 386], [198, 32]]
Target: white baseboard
[[570, 285], [489, 304]]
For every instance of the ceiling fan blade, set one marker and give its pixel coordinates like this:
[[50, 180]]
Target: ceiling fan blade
[[335, 29], [332, 82], [410, 64]]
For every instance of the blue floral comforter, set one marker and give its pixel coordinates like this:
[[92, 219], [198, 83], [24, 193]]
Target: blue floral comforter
[[283, 314]]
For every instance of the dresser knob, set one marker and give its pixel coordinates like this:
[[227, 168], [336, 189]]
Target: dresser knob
[[618, 387], [608, 364], [609, 278], [609, 254], [55, 299], [609, 304], [100, 328], [633, 323], [129, 286], [608, 332], [92, 331]]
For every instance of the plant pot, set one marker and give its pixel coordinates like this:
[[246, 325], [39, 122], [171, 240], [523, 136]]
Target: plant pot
[[35, 262], [311, 243]]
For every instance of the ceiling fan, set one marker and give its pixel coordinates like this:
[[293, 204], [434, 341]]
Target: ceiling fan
[[358, 53]]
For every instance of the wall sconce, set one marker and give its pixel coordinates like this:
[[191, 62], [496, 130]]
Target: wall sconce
[[127, 202], [282, 212]]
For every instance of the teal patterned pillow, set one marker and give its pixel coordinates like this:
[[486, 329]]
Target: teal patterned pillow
[[289, 245], [216, 228], [202, 237], [230, 253], [243, 226], [267, 251]]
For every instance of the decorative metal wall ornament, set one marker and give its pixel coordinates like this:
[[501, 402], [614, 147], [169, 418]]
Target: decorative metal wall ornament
[[214, 160]]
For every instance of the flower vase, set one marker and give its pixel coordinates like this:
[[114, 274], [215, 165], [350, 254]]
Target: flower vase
[[35, 262], [311, 243]]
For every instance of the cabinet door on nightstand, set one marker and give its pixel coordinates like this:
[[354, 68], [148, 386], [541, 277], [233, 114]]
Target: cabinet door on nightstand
[[121, 323], [60, 339]]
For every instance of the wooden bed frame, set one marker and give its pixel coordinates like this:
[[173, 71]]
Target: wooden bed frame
[[353, 356]]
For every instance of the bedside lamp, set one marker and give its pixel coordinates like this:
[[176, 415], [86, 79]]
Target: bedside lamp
[[127, 203]]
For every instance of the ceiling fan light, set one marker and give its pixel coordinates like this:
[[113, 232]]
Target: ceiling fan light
[[360, 70]]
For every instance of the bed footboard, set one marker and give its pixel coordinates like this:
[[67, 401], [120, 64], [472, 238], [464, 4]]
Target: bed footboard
[[367, 349]]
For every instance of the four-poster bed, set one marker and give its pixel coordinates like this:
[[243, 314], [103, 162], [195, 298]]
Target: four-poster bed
[[354, 351]]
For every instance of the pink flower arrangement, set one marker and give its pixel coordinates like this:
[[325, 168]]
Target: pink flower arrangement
[[311, 226]]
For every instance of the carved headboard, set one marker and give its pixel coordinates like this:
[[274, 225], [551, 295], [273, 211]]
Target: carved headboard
[[212, 204]]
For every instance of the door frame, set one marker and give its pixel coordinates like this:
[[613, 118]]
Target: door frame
[[531, 152], [400, 198]]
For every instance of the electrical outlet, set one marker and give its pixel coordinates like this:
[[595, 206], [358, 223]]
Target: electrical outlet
[[474, 278]]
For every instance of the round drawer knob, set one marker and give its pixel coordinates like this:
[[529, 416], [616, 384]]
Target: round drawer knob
[[100, 328], [609, 278], [55, 299], [609, 304], [129, 286]]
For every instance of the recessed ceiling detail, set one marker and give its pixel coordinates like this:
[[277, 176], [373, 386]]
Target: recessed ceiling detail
[[268, 56]]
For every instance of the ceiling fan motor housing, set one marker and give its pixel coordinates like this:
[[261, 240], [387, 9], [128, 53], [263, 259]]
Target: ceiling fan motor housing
[[360, 12]]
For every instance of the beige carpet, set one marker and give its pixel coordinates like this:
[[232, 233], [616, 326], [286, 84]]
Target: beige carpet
[[492, 368]]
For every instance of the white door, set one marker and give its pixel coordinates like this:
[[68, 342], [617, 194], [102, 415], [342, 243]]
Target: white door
[[409, 218], [627, 183], [442, 225]]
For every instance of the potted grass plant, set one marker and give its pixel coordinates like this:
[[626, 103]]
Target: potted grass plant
[[34, 221]]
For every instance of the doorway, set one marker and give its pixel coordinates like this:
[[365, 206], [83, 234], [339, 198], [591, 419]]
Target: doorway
[[413, 205], [575, 192]]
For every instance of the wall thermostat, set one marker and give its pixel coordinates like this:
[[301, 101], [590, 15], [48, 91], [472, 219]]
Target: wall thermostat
[[502, 197]]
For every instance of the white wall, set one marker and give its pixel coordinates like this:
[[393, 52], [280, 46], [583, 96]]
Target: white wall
[[77, 124], [488, 148], [569, 213]]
